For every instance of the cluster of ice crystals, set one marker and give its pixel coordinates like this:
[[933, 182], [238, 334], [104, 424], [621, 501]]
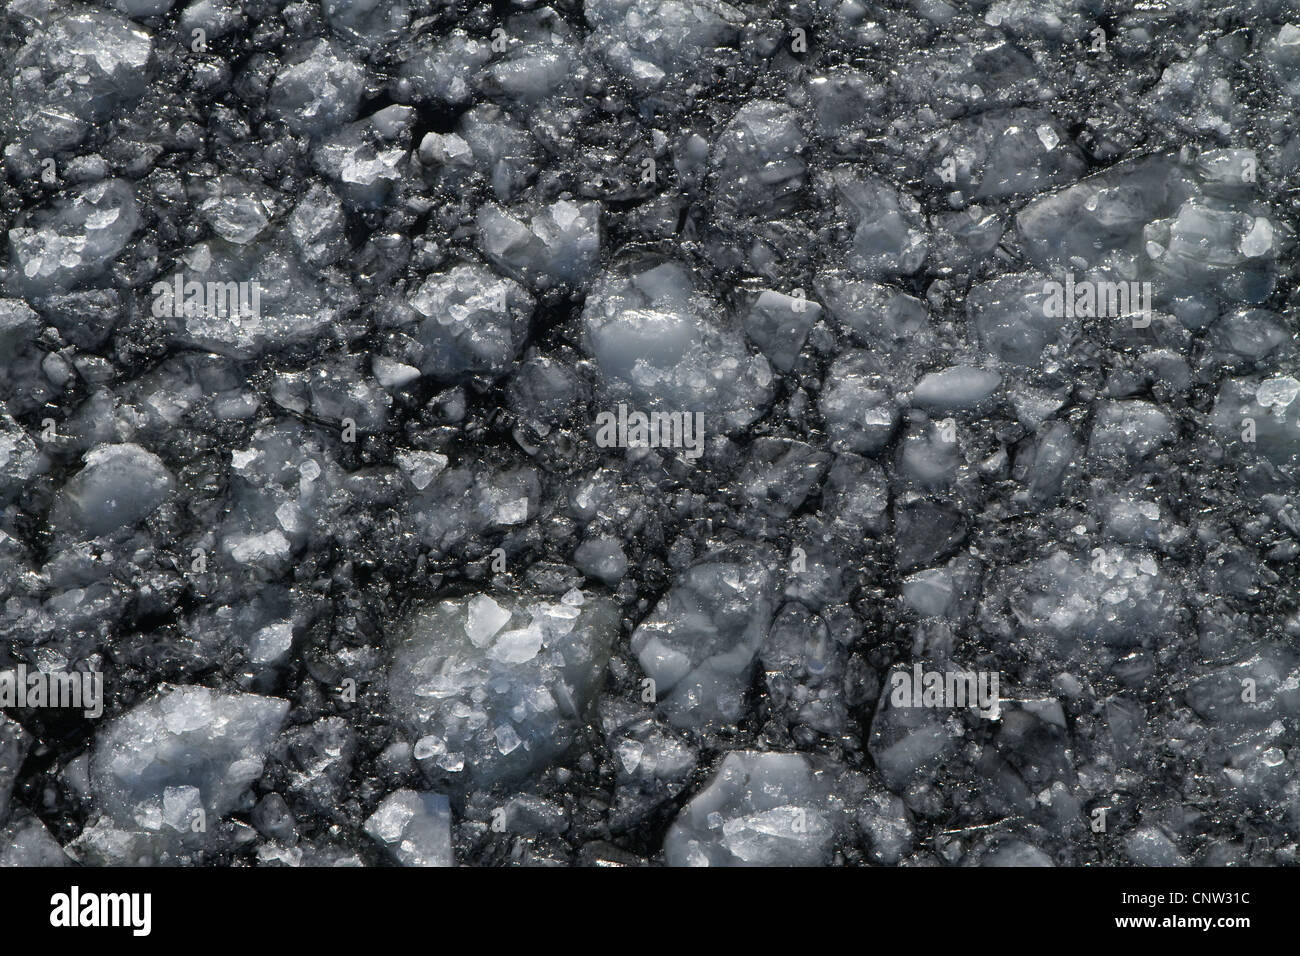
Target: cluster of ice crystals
[[964, 333]]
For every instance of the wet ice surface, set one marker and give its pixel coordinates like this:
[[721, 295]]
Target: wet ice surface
[[307, 326]]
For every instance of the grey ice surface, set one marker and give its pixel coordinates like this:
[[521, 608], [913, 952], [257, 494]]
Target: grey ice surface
[[325, 332]]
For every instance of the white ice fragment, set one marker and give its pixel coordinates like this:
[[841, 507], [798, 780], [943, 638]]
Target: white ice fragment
[[955, 389], [630, 753], [271, 644], [414, 827], [240, 459], [392, 374], [507, 740], [452, 763], [484, 619], [517, 646], [181, 807], [421, 467], [248, 549], [1277, 393], [289, 517], [428, 746], [1259, 240], [512, 512]]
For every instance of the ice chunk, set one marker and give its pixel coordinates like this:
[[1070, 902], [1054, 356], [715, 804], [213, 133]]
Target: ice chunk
[[341, 391], [929, 457], [929, 593], [1055, 458], [281, 302], [559, 245], [780, 474], [504, 152], [955, 389], [518, 647], [653, 762], [860, 415], [890, 233], [271, 644], [760, 809], [779, 324], [143, 8], [317, 227], [1195, 94], [959, 79], [74, 239], [758, 160], [118, 486], [463, 503], [185, 737], [1004, 852], [271, 548], [320, 758], [414, 827], [847, 105], [25, 842], [1003, 153], [1102, 214], [1150, 846], [541, 63], [362, 160], [1119, 598], [1207, 247], [236, 209], [499, 710], [392, 375], [876, 315], [662, 343], [371, 23], [1283, 53], [1143, 523], [1129, 431], [445, 72], [319, 88], [647, 42], [1277, 392], [1261, 688], [78, 70], [1050, 19], [887, 825], [926, 532], [855, 499], [908, 744], [215, 17], [1257, 433], [421, 467], [1010, 315], [699, 643], [19, 325], [1248, 339], [20, 460], [474, 321], [964, 240], [601, 558], [805, 669]]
